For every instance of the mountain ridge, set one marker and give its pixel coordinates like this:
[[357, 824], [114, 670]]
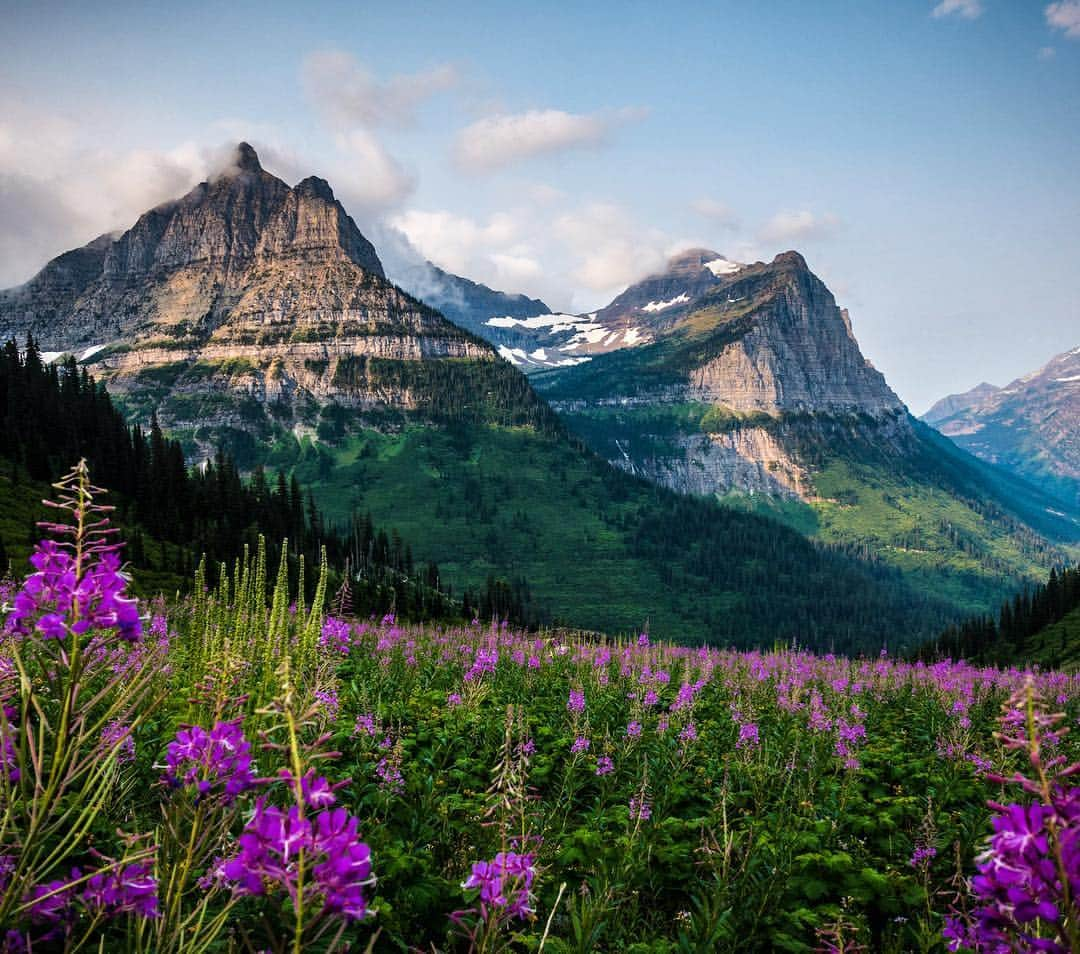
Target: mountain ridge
[[1030, 427]]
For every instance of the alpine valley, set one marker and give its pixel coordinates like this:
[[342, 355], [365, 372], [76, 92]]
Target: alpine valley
[[710, 453]]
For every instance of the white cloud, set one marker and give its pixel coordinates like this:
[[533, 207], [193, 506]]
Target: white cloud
[[496, 141], [456, 242], [574, 259], [347, 94], [801, 225], [366, 175], [60, 186], [611, 249], [1065, 15], [967, 9], [719, 212]]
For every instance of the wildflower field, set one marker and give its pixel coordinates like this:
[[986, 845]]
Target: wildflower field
[[241, 771]]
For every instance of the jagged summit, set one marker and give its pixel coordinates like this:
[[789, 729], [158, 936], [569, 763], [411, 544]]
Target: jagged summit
[[241, 296], [192, 262], [247, 160]]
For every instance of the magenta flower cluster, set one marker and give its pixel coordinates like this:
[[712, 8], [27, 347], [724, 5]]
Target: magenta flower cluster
[[54, 594], [337, 861], [217, 762], [505, 884], [109, 893], [1028, 879]]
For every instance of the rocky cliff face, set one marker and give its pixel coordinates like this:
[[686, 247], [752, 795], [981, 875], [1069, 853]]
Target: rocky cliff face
[[1030, 427], [243, 296], [751, 368]]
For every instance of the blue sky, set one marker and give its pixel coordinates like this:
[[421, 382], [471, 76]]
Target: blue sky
[[924, 157]]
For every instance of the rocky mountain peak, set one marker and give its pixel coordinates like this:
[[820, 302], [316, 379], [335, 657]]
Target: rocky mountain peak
[[791, 259], [246, 159], [692, 261], [316, 188]]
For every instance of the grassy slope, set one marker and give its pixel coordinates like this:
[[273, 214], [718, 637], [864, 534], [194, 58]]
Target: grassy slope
[[1058, 645], [947, 521], [508, 502]]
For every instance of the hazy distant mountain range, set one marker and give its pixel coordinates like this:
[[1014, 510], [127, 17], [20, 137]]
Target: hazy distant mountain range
[[1030, 427]]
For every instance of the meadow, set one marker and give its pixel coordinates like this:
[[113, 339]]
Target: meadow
[[246, 770]]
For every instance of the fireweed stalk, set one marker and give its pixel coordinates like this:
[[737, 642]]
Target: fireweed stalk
[[74, 640], [1029, 876]]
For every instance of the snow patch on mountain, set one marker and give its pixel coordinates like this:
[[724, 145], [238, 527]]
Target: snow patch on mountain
[[663, 305], [721, 266]]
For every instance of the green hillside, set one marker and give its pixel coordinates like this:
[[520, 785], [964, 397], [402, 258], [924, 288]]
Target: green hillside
[[600, 549], [957, 528]]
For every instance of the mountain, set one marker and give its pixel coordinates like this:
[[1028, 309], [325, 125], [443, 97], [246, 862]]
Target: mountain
[[753, 389], [248, 306], [255, 316], [950, 405], [535, 340], [1030, 427]]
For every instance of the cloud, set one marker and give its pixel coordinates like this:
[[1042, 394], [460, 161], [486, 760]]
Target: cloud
[[1065, 15], [718, 212], [60, 186], [456, 242], [966, 9], [612, 250], [575, 259], [366, 175], [802, 225], [497, 141], [348, 95]]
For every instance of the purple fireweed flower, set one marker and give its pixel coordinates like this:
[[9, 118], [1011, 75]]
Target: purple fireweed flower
[[604, 765], [336, 636], [7, 866], [218, 761], [53, 902], [389, 774], [640, 809], [576, 702], [633, 730], [505, 883], [454, 699], [365, 725], [922, 856], [130, 889], [688, 734], [345, 866], [270, 846], [328, 701], [116, 737], [581, 744], [748, 736], [53, 594]]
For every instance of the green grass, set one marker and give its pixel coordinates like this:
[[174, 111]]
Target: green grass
[[494, 501], [949, 523]]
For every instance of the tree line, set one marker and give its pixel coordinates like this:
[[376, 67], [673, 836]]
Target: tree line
[[1009, 636]]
